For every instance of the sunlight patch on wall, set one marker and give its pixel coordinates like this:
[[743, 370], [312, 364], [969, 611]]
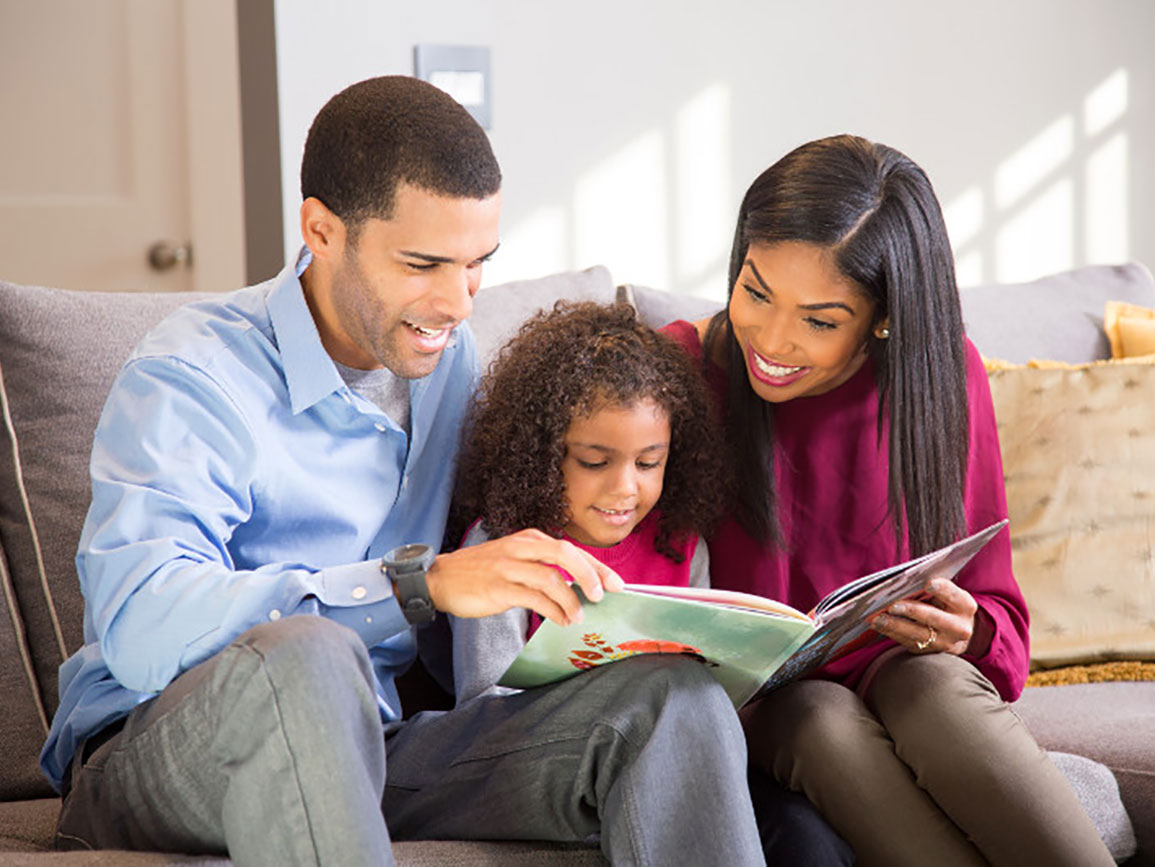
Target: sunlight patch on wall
[[1107, 203], [1034, 161], [1039, 239], [964, 217], [1059, 201], [620, 213], [704, 213], [1105, 104], [536, 246]]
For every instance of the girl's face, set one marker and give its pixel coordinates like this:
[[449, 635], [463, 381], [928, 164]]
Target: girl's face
[[802, 325], [615, 459]]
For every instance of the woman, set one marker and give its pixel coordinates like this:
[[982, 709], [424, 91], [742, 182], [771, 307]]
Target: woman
[[861, 431]]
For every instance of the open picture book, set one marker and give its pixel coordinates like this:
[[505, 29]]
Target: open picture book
[[750, 644]]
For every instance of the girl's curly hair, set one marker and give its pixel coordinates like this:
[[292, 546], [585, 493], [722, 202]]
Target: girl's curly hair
[[567, 363]]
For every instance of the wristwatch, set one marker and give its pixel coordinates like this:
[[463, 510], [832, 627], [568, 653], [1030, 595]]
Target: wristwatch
[[405, 566]]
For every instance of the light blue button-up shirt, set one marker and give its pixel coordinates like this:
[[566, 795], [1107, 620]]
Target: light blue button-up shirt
[[236, 479]]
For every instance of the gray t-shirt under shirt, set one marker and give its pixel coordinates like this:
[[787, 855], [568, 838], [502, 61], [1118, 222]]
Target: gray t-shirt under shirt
[[381, 387]]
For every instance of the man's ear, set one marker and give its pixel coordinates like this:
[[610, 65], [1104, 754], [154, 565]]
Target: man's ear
[[322, 230]]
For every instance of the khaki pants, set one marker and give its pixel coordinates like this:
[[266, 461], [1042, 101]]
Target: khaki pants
[[931, 768]]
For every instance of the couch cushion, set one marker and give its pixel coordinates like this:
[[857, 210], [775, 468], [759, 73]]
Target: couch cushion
[[59, 352], [1078, 448], [1098, 792], [25, 717], [499, 310], [657, 308], [1112, 723], [1058, 317]]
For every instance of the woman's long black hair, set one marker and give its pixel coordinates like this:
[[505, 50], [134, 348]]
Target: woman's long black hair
[[876, 212]]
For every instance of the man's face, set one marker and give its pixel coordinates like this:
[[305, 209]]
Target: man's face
[[402, 285]]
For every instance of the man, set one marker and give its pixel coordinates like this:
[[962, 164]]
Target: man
[[271, 476]]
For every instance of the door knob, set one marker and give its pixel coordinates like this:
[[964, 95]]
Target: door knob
[[166, 255]]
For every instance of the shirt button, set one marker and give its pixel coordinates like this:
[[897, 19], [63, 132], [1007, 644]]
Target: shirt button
[[379, 426], [369, 618], [359, 592], [275, 614]]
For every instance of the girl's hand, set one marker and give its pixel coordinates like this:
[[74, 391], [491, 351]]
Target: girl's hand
[[948, 621]]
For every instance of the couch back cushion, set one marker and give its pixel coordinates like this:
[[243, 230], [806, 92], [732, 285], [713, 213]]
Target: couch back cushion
[[498, 311], [1057, 317], [59, 352]]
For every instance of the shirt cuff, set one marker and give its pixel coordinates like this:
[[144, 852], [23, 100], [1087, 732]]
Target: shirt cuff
[[359, 596]]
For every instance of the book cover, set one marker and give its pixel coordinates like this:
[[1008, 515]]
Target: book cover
[[750, 644]]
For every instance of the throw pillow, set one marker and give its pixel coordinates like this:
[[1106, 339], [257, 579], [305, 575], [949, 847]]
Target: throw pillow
[[1078, 446], [1130, 329]]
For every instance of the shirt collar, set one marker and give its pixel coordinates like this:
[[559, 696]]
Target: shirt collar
[[309, 372]]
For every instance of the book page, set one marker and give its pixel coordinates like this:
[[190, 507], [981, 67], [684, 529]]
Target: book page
[[731, 598], [739, 646]]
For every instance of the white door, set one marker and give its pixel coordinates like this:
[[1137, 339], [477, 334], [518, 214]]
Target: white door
[[120, 132]]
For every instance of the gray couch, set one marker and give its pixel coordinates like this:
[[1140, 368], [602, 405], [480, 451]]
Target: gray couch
[[59, 352]]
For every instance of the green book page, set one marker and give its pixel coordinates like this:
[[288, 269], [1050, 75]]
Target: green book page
[[740, 647]]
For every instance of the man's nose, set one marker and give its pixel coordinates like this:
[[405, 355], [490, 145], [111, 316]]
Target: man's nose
[[455, 291]]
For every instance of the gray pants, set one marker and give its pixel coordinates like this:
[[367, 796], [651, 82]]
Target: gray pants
[[272, 751], [932, 768]]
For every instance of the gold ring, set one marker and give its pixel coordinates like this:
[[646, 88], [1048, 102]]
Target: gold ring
[[930, 638]]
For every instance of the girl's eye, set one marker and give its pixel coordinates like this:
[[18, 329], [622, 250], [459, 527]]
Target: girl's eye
[[647, 465], [756, 294], [591, 465], [820, 324]]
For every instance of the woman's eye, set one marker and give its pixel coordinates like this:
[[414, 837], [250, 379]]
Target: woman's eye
[[820, 324], [756, 294], [649, 465], [591, 465]]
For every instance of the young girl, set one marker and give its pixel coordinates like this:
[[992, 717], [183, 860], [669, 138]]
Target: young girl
[[593, 428], [860, 431]]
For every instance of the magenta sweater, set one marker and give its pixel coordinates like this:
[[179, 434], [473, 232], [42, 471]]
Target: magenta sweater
[[831, 472]]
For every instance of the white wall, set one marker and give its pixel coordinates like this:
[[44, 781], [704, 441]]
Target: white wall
[[628, 130]]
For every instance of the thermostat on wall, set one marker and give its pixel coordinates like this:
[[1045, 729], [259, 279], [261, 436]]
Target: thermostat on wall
[[462, 71]]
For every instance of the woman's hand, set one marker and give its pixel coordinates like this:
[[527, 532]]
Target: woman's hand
[[947, 620]]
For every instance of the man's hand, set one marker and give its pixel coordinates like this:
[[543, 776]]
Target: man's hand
[[518, 570]]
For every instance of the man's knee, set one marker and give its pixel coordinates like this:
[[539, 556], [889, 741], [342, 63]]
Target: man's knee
[[303, 640]]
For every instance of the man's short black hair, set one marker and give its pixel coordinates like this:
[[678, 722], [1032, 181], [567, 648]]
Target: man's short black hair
[[385, 131]]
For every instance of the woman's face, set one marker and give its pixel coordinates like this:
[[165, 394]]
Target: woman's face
[[801, 324]]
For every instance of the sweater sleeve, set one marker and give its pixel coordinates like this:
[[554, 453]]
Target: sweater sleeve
[[989, 577], [700, 565], [484, 647]]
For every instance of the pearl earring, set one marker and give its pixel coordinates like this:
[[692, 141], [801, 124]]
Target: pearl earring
[[883, 334]]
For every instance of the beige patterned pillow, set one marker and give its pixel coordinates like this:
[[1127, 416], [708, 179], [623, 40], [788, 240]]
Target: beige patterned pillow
[[1078, 447]]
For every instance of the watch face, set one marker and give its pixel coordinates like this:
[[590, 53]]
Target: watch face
[[406, 553]]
